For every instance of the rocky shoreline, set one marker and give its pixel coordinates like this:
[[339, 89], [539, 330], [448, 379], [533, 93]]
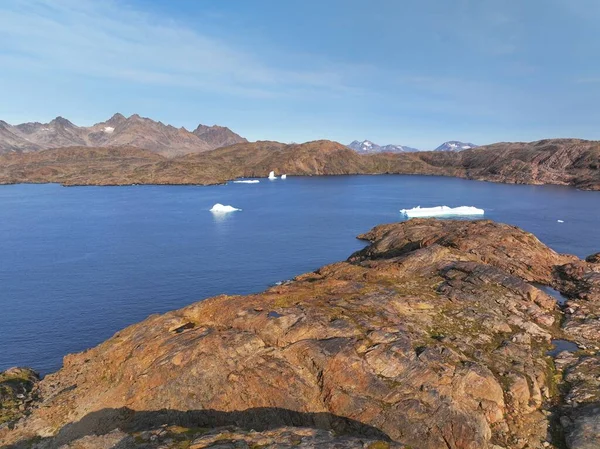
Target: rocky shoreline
[[433, 336], [569, 162]]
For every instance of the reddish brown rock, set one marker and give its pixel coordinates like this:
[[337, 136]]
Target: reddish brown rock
[[431, 337], [559, 161], [177, 437], [594, 258]]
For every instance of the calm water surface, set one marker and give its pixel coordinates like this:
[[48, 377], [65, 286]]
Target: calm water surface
[[77, 264]]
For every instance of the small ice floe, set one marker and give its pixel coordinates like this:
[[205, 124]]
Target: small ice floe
[[272, 175], [246, 181], [560, 221], [439, 211], [283, 176], [221, 209]]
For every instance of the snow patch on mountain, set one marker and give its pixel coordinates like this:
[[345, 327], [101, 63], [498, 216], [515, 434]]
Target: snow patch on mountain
[[455, 145], [367, 146]]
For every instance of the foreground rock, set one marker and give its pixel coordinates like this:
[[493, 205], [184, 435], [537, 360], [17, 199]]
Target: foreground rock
[[431, 337], [16, 392], [177, 437]]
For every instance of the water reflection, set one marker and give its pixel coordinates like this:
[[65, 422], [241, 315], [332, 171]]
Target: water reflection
[[562, 345], [221, 217]]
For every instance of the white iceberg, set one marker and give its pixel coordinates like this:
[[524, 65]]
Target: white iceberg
[[272, 175], [246, 181], [283, 176], [221, 209], [560, 221], [441, 211]]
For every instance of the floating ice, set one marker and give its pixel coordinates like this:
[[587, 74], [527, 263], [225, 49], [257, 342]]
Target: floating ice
[[272, 175], [441, 211], [560, 221], [283, 176], [246, 181], [221, 209]]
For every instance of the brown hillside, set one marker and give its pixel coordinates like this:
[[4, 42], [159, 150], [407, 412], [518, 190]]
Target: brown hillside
[[558, 161]]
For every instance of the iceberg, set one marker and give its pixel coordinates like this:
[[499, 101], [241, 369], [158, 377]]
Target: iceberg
[[272, 175], [560, 221], [221, 209], [441, 211], [246, 181], [283, 176]]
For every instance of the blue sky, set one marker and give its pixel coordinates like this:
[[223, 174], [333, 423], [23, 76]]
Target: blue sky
[[413, 72]]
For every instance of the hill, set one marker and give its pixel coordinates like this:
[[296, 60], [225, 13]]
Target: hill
[[557, 161]]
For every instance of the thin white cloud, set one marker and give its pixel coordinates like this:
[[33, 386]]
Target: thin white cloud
[[105, 39]]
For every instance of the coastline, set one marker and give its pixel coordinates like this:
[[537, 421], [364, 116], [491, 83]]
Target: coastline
[[199, 184], [569, 162], [394, 311]]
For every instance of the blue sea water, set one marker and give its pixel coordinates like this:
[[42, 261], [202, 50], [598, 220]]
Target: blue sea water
[[79, 263]]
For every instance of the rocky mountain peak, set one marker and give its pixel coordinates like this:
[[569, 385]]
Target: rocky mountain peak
[[116, 119], [61, 121], [455, 145], [367, 146], [218, 135]]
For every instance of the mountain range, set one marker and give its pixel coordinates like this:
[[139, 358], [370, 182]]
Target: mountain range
[[145, 133], [117, 131], [455, 145], [367, 147]]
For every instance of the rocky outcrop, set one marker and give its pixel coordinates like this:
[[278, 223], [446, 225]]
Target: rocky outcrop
[[17, 392], [177, 437], [594, 258], [433, 336], [218, 136], [564, 162], [553, 161], [579, 409]]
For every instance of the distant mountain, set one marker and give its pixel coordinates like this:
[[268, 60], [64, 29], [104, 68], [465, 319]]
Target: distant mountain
[[117, 131], [455, 145], [12, 140], [218, 136], [366, 146]]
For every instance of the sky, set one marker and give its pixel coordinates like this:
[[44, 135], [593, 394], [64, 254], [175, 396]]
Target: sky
[[412, 72]]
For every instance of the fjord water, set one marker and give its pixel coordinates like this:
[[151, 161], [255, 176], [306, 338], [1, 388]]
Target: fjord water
[[77, 264]]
